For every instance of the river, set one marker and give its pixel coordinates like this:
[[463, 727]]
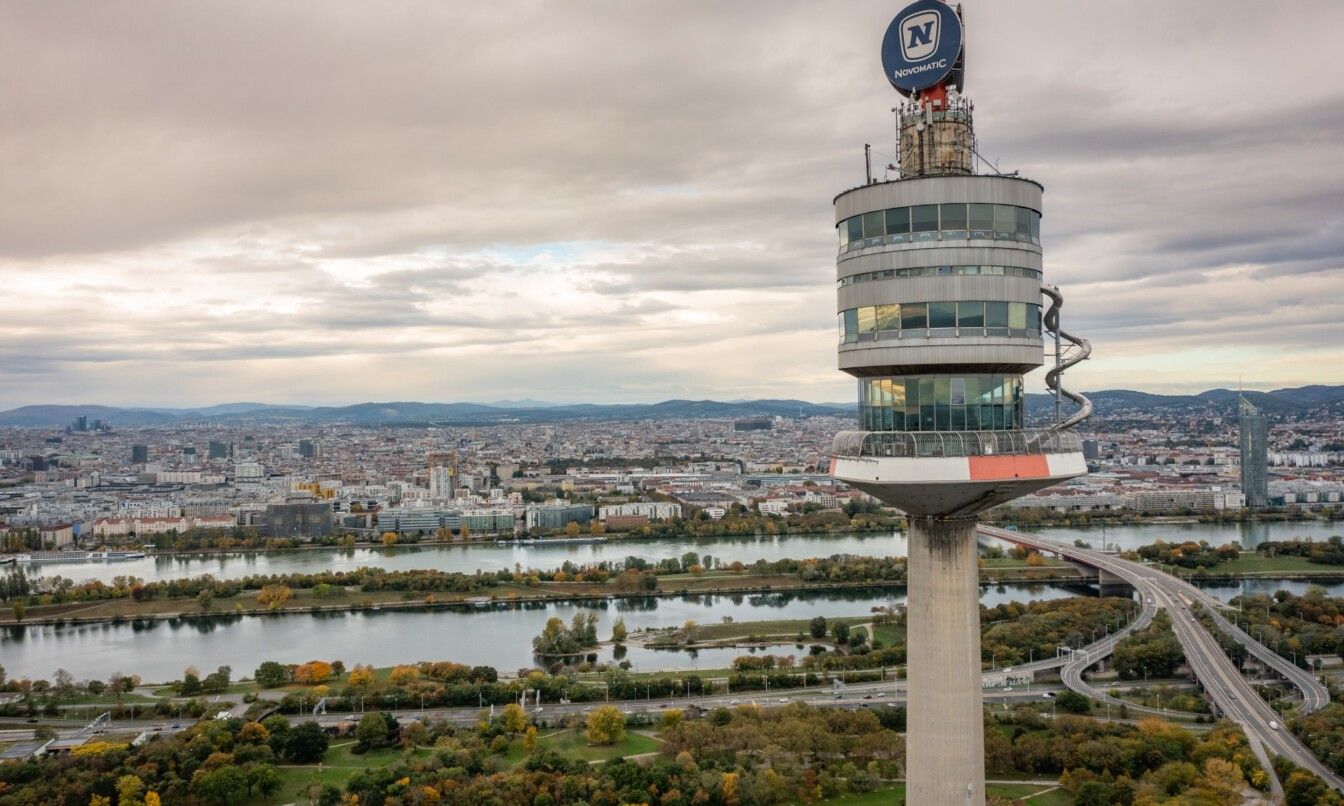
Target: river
[[496, 635], [493, 556]]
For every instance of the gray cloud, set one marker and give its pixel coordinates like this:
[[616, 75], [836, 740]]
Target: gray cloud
[[206, 198]]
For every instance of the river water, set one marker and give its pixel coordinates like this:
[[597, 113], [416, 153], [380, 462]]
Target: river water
[[496, 635], [492, 556]]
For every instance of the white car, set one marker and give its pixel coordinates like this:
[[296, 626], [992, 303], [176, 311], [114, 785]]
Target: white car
[[734, 702], [1273, 725], [783, 699]]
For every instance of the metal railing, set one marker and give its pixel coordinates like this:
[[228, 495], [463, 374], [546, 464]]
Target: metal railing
[[910, 444]]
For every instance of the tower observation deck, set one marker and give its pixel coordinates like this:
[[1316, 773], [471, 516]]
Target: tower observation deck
[[941, 314]]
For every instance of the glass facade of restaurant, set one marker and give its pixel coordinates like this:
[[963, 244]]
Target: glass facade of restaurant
[[906, 320], [941, 403], [940, 222]]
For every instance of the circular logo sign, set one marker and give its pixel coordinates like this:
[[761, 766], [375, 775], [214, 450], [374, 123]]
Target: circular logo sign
[[921, 45]]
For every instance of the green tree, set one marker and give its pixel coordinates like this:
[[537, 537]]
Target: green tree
[[817, 627], [205, 600], [375, 730], [1073, 702], [262, 779], [618, 630], [840, 631], [606, 726], [306, 743], [224, 786], [271, 674], [1304, 789], [191, 683]]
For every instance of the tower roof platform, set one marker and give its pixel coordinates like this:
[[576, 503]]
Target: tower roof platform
[[954, 473]]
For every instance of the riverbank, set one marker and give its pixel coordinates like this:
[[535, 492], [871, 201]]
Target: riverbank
[[306, 601]]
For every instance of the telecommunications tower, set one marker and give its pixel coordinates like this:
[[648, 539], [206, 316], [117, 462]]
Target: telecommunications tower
[[940, 307]]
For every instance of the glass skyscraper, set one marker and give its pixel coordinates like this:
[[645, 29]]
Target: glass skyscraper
[[1254, 462]]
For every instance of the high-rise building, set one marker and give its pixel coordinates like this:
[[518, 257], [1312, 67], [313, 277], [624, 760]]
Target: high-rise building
[[441, 483], [219, 450], [940, 310], [307, 449], [1253, 436], [139, 454]]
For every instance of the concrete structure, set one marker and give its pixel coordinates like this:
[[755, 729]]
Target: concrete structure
[[1254, 434], [940, 314]]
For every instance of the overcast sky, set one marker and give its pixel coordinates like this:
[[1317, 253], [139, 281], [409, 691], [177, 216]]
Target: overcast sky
[[335, 202]]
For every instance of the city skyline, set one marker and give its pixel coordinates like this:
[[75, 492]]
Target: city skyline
[[571, 209]]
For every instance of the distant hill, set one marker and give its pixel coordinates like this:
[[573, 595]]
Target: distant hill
[[1328, 400], [407, 413], [1112, 402]]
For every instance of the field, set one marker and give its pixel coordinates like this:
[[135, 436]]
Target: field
[[1049, 796], [339, 763]]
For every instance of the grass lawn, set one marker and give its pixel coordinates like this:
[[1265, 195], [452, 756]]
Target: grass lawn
[[1254, 563], [788, 628], [887, 795], [574, 744], [337, 766]]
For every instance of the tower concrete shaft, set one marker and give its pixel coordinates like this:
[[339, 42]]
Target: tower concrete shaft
[[945, 751]]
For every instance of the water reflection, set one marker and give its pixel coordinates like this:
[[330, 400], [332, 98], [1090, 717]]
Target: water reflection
[[498, 635]]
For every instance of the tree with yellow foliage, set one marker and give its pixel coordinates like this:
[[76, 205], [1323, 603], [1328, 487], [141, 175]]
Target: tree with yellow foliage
[[361, 677], [606, 726], [464, 532], [152, 799], [729, 784], [514, 718], [572, 529], [129, 790], [401, 675], [389, 538], [274, 596], [530, 739], [312, 672]]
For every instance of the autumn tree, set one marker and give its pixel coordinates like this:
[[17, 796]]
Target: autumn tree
[[401, 675], [530, 739], [514, 718], [129, 791], [606, 726], [618, 630], [274, 596], [312, 672], [361, 677]]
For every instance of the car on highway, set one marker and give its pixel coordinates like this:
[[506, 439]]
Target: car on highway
[[783, 699], [1007, 688], [734, 702], [1049, 695], [1273, 725]]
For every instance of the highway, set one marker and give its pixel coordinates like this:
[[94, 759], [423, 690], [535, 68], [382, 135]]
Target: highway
[[1222, 682]]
